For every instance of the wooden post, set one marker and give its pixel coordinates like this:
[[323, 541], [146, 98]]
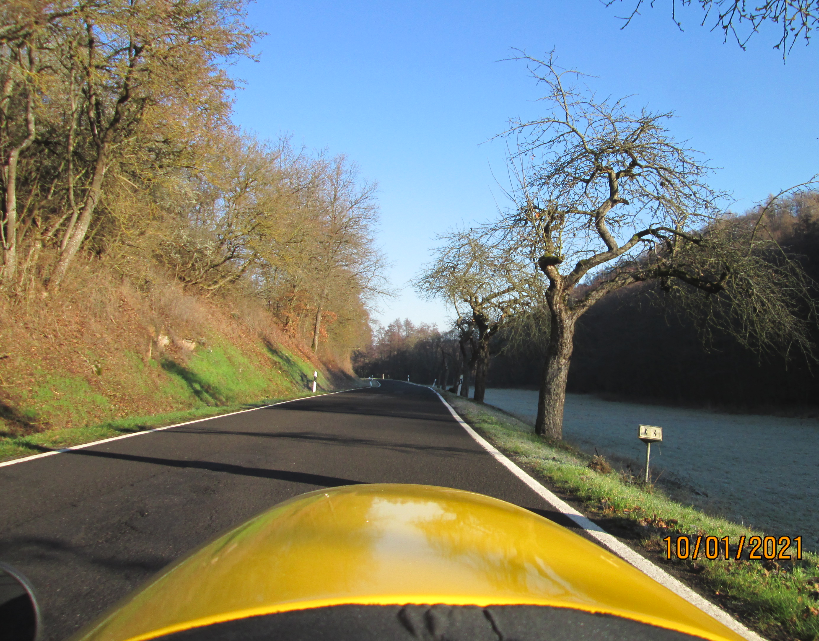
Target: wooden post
[[649, 434]]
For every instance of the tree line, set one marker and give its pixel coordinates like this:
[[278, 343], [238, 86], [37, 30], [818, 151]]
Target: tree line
[[116, 145], [639, 343]]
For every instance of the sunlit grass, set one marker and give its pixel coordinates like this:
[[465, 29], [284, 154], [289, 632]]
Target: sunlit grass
[[12, 447], [213, 381]]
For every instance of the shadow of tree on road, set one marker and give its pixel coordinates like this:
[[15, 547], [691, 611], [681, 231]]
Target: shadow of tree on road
[[280, 475], [344, 441], [49, 550]]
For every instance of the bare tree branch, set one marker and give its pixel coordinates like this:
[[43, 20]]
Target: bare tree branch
[[742, 20]]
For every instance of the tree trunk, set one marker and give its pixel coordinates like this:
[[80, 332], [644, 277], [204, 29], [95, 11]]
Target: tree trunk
[[465, 384], [317, 324], [466, 366], [552, 395], [9, 267], [481, 365], [316, 328], [77, 234]]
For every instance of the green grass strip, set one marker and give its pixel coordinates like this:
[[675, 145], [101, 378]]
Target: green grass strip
[[12, 447], [779, 600]]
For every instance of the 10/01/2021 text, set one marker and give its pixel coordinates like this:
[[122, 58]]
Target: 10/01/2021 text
[[712, 547]]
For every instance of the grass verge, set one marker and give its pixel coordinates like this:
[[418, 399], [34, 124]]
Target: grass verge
[[779, 598], [12, 447]]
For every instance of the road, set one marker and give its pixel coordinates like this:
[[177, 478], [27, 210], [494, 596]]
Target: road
[[88, 526]]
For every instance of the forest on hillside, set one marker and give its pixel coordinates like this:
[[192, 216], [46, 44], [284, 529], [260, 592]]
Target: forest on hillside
[[118, 152], [155, 258], [637, 343]]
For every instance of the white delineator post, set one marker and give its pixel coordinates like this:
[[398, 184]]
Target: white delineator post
[[650, 434], [315, 378]]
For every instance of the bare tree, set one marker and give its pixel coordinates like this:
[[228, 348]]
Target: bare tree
[[741, 19], [605, 197], [238, 210], [484, 283], [345, 261]]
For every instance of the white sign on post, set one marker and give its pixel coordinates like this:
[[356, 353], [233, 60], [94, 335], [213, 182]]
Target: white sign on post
[[651, 433]]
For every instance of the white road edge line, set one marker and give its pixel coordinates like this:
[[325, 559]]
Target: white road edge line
[[607, 540], [167, 427]]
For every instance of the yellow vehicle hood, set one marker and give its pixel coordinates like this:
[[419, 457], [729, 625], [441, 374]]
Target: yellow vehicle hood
[[389, 545]]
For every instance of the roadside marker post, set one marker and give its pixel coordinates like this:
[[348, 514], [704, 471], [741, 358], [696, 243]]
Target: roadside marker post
[[315, 378], [650, 434]]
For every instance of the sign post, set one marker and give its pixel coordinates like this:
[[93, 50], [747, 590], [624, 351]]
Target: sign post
[[650, 434]]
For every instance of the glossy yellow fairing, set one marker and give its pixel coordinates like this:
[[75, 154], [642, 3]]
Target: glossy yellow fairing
[[395, 544]]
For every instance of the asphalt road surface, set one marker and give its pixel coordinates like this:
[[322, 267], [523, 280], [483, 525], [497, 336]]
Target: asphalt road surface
[[88, 526]]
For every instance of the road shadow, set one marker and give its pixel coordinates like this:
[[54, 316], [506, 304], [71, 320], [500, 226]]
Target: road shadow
[[558, 517], [50, 550], [344, 441], [279, 475], [399, 407]]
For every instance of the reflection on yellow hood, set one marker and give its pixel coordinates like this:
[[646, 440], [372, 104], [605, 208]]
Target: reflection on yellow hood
[[394, 545]]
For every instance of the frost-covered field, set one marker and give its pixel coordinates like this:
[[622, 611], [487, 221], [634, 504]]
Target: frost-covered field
[[763, 470]]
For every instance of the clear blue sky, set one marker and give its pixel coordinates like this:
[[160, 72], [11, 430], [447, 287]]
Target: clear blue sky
[[412, 92]]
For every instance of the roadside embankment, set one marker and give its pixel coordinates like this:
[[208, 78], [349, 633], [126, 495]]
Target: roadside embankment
[[104, 358], [778, 597]]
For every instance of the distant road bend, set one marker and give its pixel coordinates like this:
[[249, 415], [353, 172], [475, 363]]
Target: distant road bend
[[88, 526]]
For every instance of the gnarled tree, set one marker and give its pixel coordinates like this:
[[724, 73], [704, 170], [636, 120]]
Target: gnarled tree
[[485, 284], [605, 197]]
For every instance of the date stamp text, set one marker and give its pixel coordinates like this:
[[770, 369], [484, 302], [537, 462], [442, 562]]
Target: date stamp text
[[712, 547]]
